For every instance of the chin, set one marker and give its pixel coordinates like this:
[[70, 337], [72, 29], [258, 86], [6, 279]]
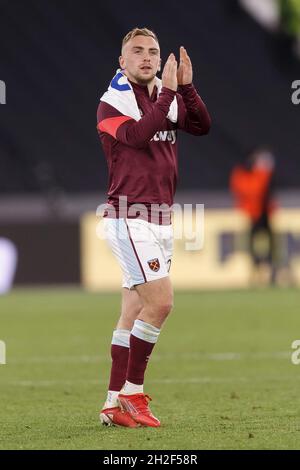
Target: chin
[[144, 80]]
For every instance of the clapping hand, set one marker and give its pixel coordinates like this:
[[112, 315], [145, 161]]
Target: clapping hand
[[185, 69]]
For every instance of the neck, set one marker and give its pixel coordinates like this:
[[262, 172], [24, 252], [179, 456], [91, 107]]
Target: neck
[[150, 85]]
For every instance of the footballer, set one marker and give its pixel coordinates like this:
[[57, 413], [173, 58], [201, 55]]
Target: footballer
[[137, 120]]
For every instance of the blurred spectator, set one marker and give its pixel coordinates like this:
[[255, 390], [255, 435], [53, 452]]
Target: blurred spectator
[[251, 186]]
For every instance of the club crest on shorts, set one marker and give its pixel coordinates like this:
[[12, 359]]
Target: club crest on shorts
[[154, 264]]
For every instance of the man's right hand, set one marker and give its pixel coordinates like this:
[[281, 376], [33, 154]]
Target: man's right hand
[[169, 75]]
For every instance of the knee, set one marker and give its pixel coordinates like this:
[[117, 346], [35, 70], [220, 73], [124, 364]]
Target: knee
[[156, 313], [136, 311], [130, 312], [165, 308]]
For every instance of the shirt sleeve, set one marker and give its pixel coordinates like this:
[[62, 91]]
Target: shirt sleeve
[[193, 115], [129, 131]]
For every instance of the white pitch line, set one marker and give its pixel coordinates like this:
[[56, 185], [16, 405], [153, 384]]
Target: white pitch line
[[50, 383], [95, 359], [185, 381]]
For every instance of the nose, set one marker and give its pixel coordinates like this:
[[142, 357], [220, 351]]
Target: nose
[[146, 56]]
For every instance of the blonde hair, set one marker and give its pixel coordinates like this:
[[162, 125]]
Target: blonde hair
[[139, 32]]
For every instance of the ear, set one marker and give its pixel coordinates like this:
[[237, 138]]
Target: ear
[[122, 62], [159, 67]]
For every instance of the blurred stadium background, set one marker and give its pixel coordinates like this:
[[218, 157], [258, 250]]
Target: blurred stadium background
[[56, 59]]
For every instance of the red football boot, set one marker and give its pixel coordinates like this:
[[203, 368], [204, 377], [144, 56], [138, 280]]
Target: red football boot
[[137, 406], [117, 417]]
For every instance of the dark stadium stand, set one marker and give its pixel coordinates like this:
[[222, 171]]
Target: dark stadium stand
[[57, 58]]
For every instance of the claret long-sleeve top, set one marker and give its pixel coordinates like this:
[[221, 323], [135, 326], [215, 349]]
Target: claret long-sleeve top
[[142, 155]]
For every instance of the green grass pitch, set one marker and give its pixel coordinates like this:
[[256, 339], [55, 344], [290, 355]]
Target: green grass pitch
[[221, 375]]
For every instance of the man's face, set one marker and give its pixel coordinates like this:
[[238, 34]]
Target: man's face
[[140, 59]]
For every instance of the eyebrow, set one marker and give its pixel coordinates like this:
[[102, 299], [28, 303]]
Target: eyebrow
[[150, 48]]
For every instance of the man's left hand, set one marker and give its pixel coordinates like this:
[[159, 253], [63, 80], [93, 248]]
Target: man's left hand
[[185, 69]]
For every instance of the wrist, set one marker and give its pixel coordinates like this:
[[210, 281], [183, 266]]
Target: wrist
[[186, 85], [168, 91]]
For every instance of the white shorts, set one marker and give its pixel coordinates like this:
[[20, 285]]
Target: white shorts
[[143, 250]]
